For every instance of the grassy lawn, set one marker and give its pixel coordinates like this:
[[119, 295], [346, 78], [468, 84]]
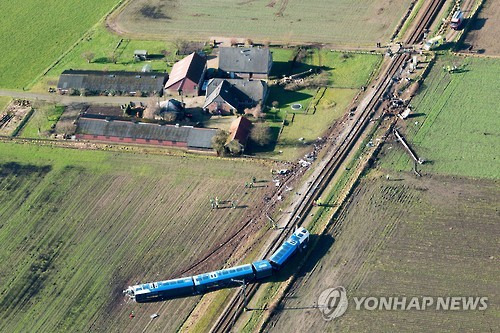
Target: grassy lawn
[[42, 121], [4, 101], [104, 45], [310, 126], [79, 226], [348, 73], [32, 41], [456, 126], [341, 22]]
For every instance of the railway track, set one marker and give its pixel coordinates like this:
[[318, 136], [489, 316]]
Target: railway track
[[333, 159]]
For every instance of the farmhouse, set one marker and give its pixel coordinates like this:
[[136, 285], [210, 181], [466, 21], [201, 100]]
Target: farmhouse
[[100, 82], [239, 130], [227, 96], [250, 62], [187, 137], [187, 76]]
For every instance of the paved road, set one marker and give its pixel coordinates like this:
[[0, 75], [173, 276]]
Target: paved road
[[66, 100]]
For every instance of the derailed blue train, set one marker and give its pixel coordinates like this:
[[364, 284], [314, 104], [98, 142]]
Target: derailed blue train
[[162, 290]]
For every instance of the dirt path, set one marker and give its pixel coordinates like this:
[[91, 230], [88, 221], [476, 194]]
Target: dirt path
[[66, 100]]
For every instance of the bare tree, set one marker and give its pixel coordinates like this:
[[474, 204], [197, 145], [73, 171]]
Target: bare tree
[[152, 108], [275, 104], [89, 56], [233, 42], [181, 45], [249, 42], [261, 134], [256, 111]]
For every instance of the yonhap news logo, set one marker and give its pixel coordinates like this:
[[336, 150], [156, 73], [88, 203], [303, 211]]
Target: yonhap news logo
[[333, 303]]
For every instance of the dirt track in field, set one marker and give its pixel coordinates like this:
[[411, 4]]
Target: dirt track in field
[[431, 236]]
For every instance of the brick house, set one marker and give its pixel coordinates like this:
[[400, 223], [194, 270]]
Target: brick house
[[229, 96]]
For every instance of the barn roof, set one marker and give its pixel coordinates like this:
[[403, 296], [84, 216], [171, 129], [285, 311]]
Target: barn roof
[[240, 130], [224, 92], [245, 60], [254, 90], [191, 67], [194, 137], [118, 81]]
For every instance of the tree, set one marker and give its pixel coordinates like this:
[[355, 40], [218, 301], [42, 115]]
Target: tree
[[152, 108], [219, 141], [233, 42], [249, 42], [234, 148], [181, 45], [261, 134], [89, 56]]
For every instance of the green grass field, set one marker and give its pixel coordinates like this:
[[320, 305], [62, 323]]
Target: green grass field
[[32, 41], [78, 226], [103, 45], [4, 101], [42, 121], [342, 22], [456, 127]]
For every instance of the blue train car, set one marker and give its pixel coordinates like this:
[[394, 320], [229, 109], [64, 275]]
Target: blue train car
[[294, 243], [162, 290], [157, 291], [223, 278], [262, 269]]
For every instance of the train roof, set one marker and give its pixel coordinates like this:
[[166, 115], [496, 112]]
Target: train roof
[[285, 251], [163, 285], [223, 274], [261, 265]]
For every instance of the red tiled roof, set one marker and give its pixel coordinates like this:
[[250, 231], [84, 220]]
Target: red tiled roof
[[240, 130], [191, 67]]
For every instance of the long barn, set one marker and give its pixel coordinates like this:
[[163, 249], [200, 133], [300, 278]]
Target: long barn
[[119, 131]]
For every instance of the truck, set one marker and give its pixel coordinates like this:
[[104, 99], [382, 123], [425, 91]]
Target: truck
[[457, 20], [433, 43]]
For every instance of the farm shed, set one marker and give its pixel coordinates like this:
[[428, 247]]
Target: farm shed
[[145, 133], [239, 130], [186, 77], [224, 96], [97, 82], [140, 55], [249, 62]]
